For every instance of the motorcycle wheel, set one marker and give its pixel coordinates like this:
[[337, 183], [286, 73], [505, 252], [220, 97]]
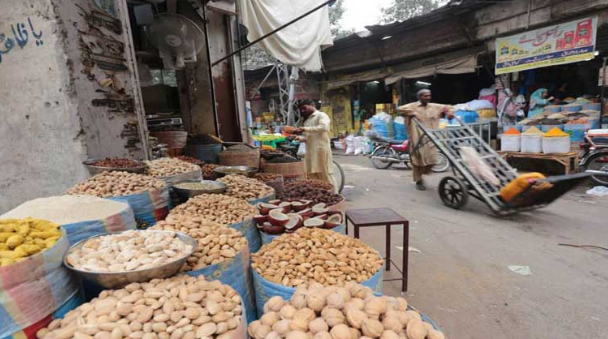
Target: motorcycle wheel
[[598, 162], [442, 163], [382, 152]]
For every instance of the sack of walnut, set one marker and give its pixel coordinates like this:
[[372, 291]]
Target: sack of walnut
[[317, 256], [222, 254]]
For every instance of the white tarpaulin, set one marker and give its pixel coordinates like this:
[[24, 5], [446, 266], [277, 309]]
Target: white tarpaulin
[[297, 45]]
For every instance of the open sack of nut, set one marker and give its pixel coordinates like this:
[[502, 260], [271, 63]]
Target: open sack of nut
[[348, 312], [225, 210], [147, 196], [252, 190], [172, 170], [278, 217], [181, 307], [222, 254], [313, 255]]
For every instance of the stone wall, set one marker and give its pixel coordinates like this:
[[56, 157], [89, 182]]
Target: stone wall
[[66, 87]]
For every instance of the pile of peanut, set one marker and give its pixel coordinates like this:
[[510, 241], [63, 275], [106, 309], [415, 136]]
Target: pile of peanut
[[349, 312], [215, 243], [181, 307], [116, 184], [240, 186], [316, 255], [128, 251], [168, 167], [218, 208]]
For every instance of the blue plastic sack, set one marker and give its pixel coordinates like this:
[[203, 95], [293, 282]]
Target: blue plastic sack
[[468, 117], [400, 131], [576, 131], [250, 231], [122, 221], [264, 289], [148, 207], [383, 128], [267, 238], [237, 274]]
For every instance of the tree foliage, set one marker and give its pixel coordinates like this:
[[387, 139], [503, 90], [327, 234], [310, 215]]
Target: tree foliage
[[336, 12], [401, 10]]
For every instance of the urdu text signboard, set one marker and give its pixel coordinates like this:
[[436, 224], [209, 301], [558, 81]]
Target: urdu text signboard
[[555, 45]]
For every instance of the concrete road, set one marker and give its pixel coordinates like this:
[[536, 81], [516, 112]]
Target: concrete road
[[461, 277]]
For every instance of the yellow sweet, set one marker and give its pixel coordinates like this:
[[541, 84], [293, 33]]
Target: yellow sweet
[[14, 240], [21, 238]]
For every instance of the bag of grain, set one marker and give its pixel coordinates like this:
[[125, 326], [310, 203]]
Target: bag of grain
[[511, 140], [34, 289], [532, 141], [81, 216], [556, 141]]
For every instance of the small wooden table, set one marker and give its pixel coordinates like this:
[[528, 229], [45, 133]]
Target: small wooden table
[[568, 160], [383, 217]]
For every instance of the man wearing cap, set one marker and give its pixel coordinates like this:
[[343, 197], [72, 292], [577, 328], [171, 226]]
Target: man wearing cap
[[428, 114]]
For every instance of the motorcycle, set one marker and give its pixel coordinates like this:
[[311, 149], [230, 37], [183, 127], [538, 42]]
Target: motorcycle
[[595, 158], [388, 152]]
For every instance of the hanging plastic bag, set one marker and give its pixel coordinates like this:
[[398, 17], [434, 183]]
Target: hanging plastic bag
[[302, 149], [475, 163]]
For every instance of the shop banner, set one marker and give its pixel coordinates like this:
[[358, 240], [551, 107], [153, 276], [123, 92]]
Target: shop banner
[[555, 45]]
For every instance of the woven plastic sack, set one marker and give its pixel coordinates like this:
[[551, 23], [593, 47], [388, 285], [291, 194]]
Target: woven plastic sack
[[264, 199], [117, 223], [35, 288], [266, 238], [148, 207], [250, 232], [531, 143], [237, 274], [77, 231], [30, 332], [265, 289]]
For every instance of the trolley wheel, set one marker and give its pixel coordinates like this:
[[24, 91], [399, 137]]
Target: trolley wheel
[[453, 192]]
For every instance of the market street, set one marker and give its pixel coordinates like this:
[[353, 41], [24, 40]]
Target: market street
[[461, 276]]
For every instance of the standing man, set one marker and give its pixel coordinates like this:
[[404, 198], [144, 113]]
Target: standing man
[[316, 136], [428, 114]]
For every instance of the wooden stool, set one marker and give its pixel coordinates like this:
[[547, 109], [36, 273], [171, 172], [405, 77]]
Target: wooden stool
[[383, 217]]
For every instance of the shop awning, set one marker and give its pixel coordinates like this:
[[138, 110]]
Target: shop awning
[[439, 65], [358, 77]]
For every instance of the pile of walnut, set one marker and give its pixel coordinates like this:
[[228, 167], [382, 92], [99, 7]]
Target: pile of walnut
[[349, 312], [240, 186], [116, 184], [181, 307], [128, 251], [215, 242], [316, 255], [217, 208], [168, 167]]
